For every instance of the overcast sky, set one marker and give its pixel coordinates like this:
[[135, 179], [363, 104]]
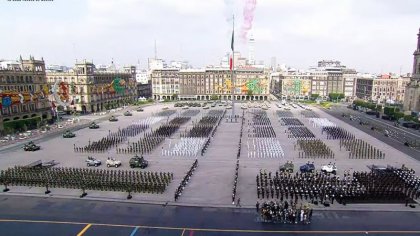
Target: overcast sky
[[368, 35]]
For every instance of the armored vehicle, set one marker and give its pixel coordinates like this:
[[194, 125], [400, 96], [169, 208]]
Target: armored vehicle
[[93, 125], [140, 109], [287, 167], [330, 168], [93, 162], [69, 134], [128, 113], [308, 167], [31, 147], [137, 161], [113, 119]]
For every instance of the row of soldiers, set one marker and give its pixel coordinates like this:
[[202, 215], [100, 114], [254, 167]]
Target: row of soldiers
[[203, 128], [309, 114], [102, 145], [235, 181], [284, 114], [314, 149], [374, 186], [359, 149], [185, 180], [129, 131], [152, 139], [86, 178], [283, 212], [299, 132], [165, 113], [334, 132], [112, 139], [290, 121], [190, 113], [260, 125]]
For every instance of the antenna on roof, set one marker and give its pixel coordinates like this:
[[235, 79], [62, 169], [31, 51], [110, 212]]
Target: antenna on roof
[[155, 50]]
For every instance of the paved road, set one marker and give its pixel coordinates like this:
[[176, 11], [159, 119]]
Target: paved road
[[51, 216], [392, 141]]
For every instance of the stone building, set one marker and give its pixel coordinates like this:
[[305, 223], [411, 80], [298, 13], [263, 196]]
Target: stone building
[[412, 92], [205, 84], [86, 89], [23, 95], [327, 78], [382, 89]]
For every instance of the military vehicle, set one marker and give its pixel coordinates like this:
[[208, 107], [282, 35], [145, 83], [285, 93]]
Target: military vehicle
[[93, 162], [93, 125], [137, 161], [140, 109], [287, 167], [69, 134], [128, 113], [31, 147], [113, 119], [308, 167], [112, 162], [330, 168]]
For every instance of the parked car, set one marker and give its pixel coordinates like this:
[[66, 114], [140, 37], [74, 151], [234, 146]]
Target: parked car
[[93, 162]]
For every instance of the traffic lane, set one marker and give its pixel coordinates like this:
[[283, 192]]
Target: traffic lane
[[410, 132], [130, 214], [391, 142], [36, 229]]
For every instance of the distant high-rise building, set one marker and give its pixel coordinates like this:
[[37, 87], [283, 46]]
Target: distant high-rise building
[[273, 63]]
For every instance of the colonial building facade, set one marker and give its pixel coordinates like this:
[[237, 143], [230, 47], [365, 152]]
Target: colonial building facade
[[86, 89], [23, 95], [382, 89], [210, 83]]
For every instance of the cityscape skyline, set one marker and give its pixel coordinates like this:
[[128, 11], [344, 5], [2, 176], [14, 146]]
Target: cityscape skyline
[[299, 37]]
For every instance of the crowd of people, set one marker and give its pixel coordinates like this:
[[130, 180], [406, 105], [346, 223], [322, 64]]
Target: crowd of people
[[315, 148], [87, 179], [359, 149], [185, 180], [377, 185], [165, 113], [284, 212]]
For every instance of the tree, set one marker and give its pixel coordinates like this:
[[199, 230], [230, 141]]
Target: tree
[[175, 96], [314, 96], [214, 97], [336, 96]]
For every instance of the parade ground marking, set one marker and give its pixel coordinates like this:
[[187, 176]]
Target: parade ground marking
[[84, 230], [286, 232], [134, 231]]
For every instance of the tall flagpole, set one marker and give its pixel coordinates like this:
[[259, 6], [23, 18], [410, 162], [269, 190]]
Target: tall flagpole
[[233, 68]]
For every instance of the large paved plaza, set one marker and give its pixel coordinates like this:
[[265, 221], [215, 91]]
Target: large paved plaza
[[212, 182]]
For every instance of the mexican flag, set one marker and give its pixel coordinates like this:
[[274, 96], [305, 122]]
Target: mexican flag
[[232, 47]]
